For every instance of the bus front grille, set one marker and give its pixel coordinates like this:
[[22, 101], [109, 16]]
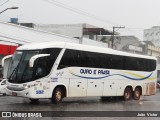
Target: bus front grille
[[15, 88]]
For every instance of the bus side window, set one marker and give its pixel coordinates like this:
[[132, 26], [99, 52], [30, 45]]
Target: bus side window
[[44, 65], [69, 59], [41, 66]]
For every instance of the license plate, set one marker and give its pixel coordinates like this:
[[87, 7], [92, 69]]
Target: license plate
[[14, 94]]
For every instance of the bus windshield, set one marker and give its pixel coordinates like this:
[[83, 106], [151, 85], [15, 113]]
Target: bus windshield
[[19, 71]]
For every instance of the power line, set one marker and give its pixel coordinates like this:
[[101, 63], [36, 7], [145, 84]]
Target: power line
[[11, 37], [53, 2], [5, 2], [138, 33], [59, 4], [135, 28]]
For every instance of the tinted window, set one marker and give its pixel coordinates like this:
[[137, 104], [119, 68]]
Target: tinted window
[[139, 64], [76, 58], [45, 64]]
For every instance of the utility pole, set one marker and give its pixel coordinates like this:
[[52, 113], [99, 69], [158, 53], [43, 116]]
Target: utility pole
[[114, 27], [81, 38]]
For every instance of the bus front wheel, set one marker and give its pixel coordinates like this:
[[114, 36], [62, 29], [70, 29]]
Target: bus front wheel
[[137, 94], [57, 95], [127, 94]]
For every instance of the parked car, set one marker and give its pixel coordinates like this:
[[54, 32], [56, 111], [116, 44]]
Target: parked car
[[2, 87]]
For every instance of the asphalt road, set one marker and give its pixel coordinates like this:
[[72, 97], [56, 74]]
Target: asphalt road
[[146, 103]]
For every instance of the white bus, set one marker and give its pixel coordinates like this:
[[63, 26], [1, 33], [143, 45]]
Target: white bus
[[57, 70]]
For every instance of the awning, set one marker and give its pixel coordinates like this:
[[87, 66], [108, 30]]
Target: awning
[[7, 49]]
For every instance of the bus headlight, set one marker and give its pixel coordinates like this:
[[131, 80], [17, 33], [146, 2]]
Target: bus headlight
[[25, 86]]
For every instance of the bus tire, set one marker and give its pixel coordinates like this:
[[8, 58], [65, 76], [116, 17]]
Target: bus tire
[[127, 94], [137, 94], [57, 95], [34, 100]]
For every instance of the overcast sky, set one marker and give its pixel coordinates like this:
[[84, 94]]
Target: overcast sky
[[135, 15]]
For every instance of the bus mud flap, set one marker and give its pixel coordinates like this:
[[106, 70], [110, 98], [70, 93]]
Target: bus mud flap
[[151, 89]]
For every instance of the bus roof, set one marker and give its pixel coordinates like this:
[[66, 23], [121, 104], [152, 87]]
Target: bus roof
[[43, 45]]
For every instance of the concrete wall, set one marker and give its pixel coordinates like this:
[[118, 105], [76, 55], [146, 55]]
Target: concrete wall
[[153, 51], [72, 30]]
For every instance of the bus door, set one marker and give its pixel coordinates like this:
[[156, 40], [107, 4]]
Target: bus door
[[47, 88], [110, 87], [78, 87], [95, 87], [41, 82]]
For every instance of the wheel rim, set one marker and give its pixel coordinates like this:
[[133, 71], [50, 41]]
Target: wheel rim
[[58, 95], [127, 95], [137, 94]]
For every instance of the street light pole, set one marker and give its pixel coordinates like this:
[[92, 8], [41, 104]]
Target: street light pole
[[8, 8]]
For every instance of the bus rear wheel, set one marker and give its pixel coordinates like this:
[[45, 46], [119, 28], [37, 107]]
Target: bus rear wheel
[[57, 95], [137, 94], [127, 94]]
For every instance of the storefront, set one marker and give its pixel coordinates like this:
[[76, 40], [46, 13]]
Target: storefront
[[4, 51]]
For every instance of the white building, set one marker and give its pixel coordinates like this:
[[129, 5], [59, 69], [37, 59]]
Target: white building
[[73, 30], [152, 38], [86, 33], [153, 35], [125, 43]]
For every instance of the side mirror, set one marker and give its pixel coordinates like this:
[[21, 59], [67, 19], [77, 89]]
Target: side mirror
[[5, 58], [6, 64], [35, 57]]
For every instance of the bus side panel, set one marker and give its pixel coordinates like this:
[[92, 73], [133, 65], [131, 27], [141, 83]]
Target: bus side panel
[[121, 87], [110, 87], [58, 82], [78, 87], [95, 87]]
